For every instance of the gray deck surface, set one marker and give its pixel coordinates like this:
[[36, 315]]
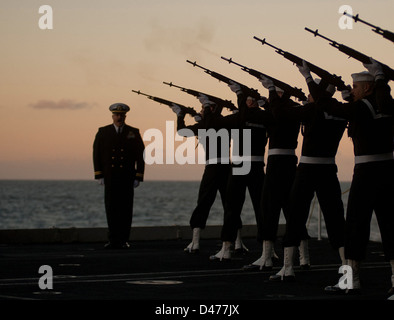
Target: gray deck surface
[[160, 272]]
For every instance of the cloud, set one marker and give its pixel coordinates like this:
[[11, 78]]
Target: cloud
[[63, 104]]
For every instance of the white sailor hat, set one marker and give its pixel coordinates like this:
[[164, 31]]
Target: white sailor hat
[[278, 89], [362, 76], [119, 108], [330, 88]]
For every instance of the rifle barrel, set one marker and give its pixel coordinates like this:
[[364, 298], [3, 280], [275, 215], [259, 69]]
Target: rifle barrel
[[316, 33], [236, 63], [173, 85], [357, 18], [139, 92], [269, 44], [195, 64]]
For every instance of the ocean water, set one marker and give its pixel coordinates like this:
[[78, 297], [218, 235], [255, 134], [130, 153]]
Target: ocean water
[[37, 204]]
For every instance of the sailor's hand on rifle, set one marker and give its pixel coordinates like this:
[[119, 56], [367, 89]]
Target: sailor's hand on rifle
[[375, 68], [346, 95], [305, 71], [235, 87], [261, 102], [197, 118], [331, 89], [177, 109], [204, 100], [267, 83]]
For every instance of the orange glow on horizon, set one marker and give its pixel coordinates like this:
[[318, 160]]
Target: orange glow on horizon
[[56, 85]]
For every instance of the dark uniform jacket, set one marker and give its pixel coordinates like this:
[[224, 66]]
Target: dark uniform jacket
[[210, 155], [322, 132], [253, 119], [283, 133], [118, 155], [369, 128]]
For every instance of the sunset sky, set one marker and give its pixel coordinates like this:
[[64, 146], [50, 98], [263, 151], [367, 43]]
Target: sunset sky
[[56, 85]]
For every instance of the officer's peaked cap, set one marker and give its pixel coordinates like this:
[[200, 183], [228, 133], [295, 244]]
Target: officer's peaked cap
[[119, 108]]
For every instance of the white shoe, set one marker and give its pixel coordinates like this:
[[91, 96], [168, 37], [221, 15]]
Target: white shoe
[[273, 254], [391, 290], [239, 246], [304, 255], [355, 265], [287, 271], [224, 253], [341, 251], [194, 246], [335, 289], [265, 261]]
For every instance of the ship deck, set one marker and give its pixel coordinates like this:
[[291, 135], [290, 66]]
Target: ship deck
[[158, 273]]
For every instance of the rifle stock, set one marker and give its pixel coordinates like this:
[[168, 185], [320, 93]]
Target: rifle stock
[[185, 110]]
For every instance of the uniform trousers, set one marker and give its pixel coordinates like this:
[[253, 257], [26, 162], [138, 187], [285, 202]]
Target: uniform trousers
[[214, 179], [372, 189], [119, 198], [321, 179], [279, 178], [236, 194]]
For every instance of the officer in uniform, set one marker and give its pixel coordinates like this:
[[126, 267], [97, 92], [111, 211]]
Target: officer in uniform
[[119, 166], [372, 188]]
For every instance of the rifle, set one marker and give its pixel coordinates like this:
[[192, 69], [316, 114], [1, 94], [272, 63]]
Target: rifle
[[323, 74], [284, 86], [354, 54], [246, 90], [220, 102], [385, 33], [185, 110]]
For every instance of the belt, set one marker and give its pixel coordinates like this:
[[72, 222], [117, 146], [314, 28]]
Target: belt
[[374, 157], [217, 161], [247, 158], [317, 160], [284, 152]]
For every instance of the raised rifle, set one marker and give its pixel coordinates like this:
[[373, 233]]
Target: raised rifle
[[323, 74], [354, 54], [245, 89], [295, 92], [220, 102], [385, 33], [185, 110]]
